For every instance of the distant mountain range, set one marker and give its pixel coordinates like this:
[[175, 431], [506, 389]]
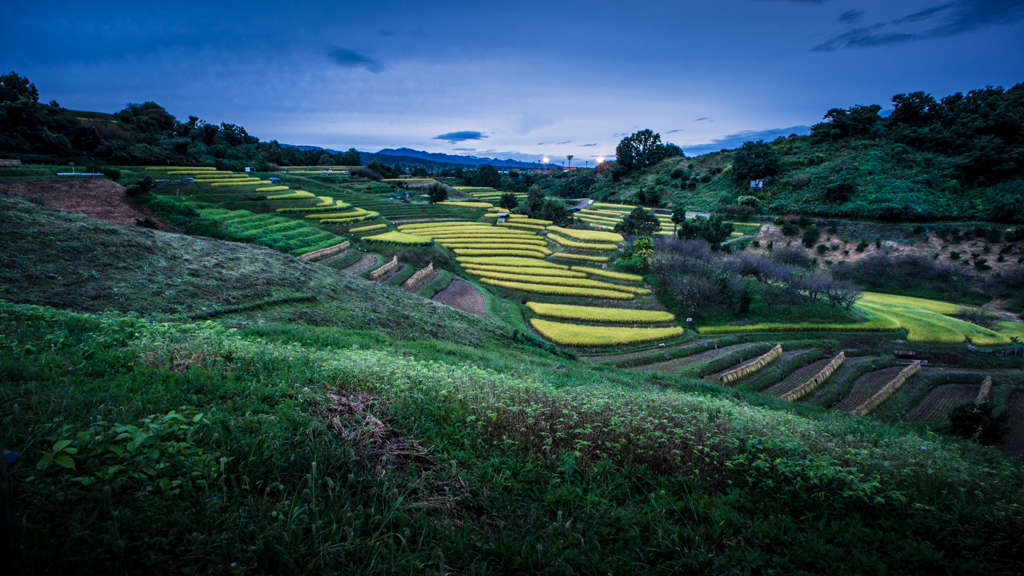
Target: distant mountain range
[[428, 159]]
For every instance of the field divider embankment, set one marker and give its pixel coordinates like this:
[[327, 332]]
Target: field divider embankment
[[816, 380], [751, 367], [888, 390], [986, 387]]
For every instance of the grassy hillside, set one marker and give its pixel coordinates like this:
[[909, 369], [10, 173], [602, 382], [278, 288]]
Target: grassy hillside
[[303, 441], [76, 263], [954, 158]]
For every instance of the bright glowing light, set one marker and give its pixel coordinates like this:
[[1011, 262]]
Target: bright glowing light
[[546, 160], [600, 160]]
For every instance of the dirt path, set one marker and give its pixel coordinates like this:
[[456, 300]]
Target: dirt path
[[335, 257], [464, 296], [97, 198], [679, 364], [651, 351], [365, 263]]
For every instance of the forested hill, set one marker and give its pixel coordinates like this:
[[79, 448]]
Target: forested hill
[[960, 157]]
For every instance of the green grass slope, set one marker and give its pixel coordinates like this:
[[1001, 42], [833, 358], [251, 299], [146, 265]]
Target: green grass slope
[[168, 446], [72, 262]]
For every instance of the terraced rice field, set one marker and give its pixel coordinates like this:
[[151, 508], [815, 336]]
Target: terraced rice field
[[796, 378], [928, 321], [278, 232], [1013, 442], [937, 404], [865, 387], [680, 364]]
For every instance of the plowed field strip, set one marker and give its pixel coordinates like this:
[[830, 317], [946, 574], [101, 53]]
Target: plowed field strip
[[365, 263], [1013, 442], [464, 296], [865, 387], [849, 365], [782, 358], [334, 257], [679, 364], [936, 405], [796, 378], [616, 357]]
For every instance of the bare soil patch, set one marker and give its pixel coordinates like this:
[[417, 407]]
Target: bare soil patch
[[97, 198], [378, 445], [365, 263], [464, 296]]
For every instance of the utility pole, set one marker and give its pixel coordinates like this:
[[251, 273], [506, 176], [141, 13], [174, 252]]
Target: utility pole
[[570, 161]]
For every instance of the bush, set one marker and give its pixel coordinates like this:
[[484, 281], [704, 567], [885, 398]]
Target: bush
[[977, 423], [822, 249], [112, 174], [140, 187], [954, 255], [439, 193], [790, 229], [811, 236]]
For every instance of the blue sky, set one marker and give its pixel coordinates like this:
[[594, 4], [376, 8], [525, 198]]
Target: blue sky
[[519, 80]]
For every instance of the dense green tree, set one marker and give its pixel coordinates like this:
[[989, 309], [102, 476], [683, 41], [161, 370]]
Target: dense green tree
[[351, 158], [380, 168], [556, 211], [640, 149], [14, 87], [639, 222], [486, 176], [438, 192], [712, 230], [678, 216], [857, 121], [509, 201], [755, 161], [534, 199]]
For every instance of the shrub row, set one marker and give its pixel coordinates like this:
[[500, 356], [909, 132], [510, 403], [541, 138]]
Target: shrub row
[[560, 281], [608, 274], [241, 183], [524, 226], [496, 242], [399, 238], [559, 290], [586, 257], [293, 196], [592, 336], [587, 235], [598, 314], [481, 252], [580, 245], [751, 367], [480, 205], [317, 209], [474, 268], [878, 323], [325, 252], [508, 261], [169, 168], [816, 380], [888, 389], [361, 229]]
